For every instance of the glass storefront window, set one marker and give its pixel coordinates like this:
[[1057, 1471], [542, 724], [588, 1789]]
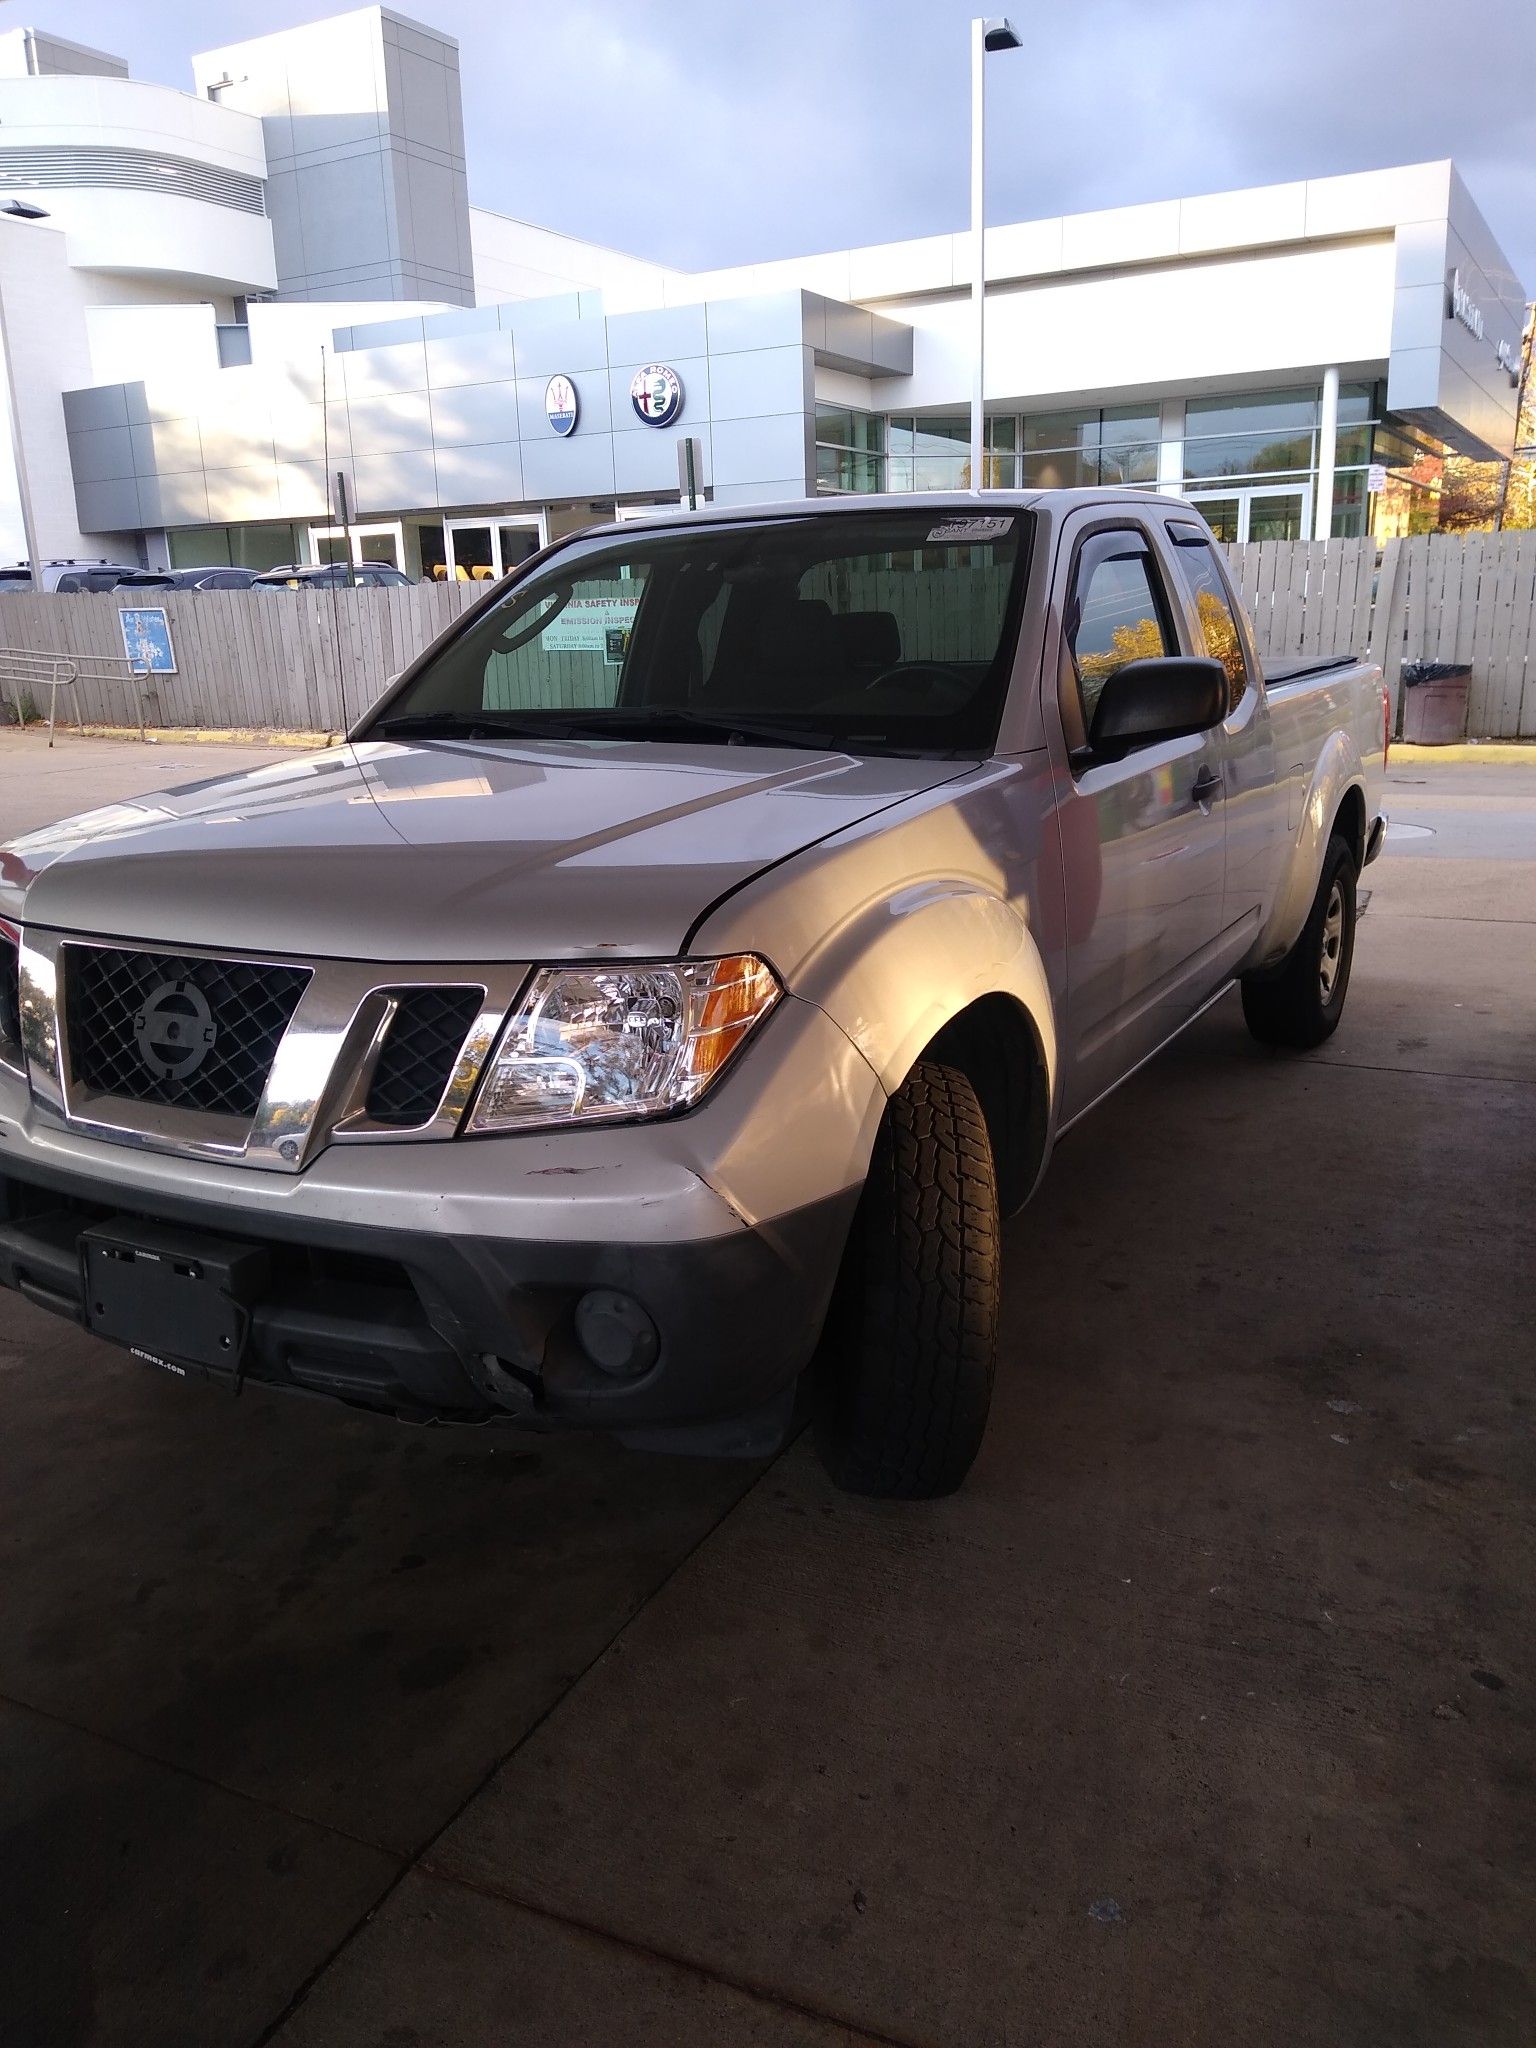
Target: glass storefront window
[[1261, 412], [1256, 434], [1123, 425], [1348, 521], [847, 469], [1061, 469], [932, 452], [1129, 464], [1061, 430], [1112, 444], [268, 545], [850, 449], [1248, 454]]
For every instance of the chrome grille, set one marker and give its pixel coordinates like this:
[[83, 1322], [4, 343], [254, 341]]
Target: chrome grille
[[10, 992], [186, 1032], [419, 1055]]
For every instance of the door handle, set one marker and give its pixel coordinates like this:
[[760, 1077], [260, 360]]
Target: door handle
[[1207, 784]]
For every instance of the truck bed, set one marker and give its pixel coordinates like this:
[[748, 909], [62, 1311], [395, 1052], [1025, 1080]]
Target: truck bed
[[1280, 675]]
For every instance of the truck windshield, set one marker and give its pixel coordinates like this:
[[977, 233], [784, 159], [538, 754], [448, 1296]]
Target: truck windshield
[[886, 631]]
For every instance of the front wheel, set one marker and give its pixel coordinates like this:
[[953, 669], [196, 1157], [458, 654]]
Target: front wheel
[[1300, 1002], [904, 1373]]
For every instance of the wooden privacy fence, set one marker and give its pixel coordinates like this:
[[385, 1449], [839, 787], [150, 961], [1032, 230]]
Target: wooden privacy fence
[[1306, 597], [1472, 598], [314, 660], [288, 660]]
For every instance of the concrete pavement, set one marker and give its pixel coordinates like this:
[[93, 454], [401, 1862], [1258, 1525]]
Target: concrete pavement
[[1204, 1714], [39, 783]]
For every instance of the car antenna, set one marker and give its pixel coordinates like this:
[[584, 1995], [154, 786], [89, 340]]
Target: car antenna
[[325, 442]]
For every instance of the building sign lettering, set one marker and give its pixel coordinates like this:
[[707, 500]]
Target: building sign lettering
[[1464, 308]]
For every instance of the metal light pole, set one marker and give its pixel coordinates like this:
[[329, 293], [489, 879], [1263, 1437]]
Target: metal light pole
[[18, 452], [987, 34]]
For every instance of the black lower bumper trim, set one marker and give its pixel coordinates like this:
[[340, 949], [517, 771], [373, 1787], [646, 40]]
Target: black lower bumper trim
[[459, 1329]]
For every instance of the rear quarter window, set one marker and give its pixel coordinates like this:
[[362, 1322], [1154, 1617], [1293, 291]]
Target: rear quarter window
[[1207, 591]]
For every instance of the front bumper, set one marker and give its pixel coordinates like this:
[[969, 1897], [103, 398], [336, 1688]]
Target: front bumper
[[461, 1329], [442, 1280]]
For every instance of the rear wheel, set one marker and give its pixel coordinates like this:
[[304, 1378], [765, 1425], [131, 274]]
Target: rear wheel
[[904, 1374], [1300, 1002]]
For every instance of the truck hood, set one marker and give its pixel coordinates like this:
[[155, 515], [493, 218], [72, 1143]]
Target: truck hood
[[463, 852]]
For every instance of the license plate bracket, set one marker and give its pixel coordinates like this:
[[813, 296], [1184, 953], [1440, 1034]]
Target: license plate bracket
[[174, 1298]]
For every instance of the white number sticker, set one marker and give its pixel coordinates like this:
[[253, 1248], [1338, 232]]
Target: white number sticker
[[971, 529]]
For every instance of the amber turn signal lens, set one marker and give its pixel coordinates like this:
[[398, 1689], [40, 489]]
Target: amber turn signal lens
[[741, 989]]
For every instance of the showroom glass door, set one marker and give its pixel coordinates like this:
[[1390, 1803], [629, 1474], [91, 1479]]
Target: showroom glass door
[[381, 541], [480, 550], [1280, 515], [1222, 515], [1258, 512]]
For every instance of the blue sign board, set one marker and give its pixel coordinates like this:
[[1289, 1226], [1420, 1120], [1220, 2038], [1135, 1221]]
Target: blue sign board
[[147, 638]]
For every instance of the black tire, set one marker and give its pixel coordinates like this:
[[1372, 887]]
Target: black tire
[[1290, 1005], [904, 1373]]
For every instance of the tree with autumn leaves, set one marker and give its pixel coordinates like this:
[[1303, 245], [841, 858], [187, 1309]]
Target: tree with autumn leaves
[[1479, 497]]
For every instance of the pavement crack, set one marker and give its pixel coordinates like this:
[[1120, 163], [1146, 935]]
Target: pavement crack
[[417, 1858], [180, 1770], [650, 1952]]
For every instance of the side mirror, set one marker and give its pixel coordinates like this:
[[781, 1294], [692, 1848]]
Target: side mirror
[[1164, 697]]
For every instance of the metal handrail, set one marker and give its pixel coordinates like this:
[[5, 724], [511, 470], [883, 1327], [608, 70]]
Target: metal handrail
[[27, 668]]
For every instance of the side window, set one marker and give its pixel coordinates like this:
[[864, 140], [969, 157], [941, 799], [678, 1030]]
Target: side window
[[1208, 594], [1115, 614]]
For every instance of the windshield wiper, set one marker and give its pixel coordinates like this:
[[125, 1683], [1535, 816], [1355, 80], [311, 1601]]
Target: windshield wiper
[[674, 721], [431, 725], [640, 723]]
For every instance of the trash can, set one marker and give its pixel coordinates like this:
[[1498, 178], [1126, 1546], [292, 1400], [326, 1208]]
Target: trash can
[[1435, 702]]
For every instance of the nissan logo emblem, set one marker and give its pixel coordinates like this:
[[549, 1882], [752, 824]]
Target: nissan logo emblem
[[174, 1031]]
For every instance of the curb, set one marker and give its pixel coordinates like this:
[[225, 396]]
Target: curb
[[1497, 753], [192, 735]]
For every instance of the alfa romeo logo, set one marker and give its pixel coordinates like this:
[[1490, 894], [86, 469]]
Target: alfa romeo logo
[[174, 1031], [656, 393]]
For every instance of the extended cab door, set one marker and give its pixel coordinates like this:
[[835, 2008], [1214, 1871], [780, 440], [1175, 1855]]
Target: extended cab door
[[1143, 836], [1257, 833]]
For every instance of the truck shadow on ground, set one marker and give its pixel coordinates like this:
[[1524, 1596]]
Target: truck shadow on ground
[[1221, 1642]]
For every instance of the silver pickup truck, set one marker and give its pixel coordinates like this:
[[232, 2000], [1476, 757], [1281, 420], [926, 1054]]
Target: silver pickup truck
[[646, 1019]]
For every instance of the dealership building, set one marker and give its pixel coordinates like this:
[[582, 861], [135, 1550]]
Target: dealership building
[[218, 302]]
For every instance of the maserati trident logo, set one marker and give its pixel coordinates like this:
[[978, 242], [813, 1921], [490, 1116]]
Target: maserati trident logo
[[174, 1031], [562, 408]]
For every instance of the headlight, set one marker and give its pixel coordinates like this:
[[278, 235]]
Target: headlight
[[622, 1041]]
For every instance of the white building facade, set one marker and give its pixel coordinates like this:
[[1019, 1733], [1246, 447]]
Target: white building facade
[[218, 302]]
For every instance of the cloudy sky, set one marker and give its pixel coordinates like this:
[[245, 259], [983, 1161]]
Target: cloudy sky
[[705, 132]]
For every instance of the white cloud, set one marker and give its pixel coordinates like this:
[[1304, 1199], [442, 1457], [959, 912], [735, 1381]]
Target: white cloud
[[710, 132]]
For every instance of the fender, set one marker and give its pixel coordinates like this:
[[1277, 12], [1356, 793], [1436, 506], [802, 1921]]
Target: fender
[[895, 928], [1338, 771], [899, 969]]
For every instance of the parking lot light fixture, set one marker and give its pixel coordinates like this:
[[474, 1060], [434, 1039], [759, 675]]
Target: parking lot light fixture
[[989, 33]]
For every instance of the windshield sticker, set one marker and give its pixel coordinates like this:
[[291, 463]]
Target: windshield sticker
[[592, 625], [971, 529]]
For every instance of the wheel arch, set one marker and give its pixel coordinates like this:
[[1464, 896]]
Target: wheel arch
[[1335, 800], [951, 972], [994, 1042]]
